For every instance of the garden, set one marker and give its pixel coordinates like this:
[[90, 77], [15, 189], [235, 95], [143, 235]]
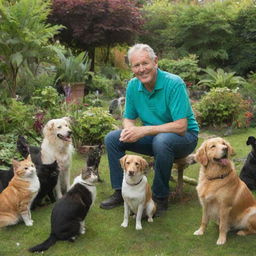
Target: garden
[[68, 58]]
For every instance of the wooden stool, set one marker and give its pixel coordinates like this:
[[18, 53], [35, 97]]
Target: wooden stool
[[180, 165]]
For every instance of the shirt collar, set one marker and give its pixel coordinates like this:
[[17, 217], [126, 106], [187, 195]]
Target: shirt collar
[[158, 85]]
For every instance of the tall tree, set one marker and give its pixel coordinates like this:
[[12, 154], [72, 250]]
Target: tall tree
[[93, 23], [243, 47]]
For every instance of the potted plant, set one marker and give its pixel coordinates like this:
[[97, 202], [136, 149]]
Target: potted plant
[[72, 71], [90, 127]]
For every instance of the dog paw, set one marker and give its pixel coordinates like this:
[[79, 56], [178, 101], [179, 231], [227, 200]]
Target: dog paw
[[138, 227], [29, 223], [241, 233], [198, 232], [221, 241], [124, 225], [82, 231], [150, 219]]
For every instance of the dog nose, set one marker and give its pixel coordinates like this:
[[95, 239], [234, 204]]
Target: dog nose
[[131, 173], [69, 133], [225, 150]]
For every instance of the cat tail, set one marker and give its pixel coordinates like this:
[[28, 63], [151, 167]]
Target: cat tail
[[45, 245]]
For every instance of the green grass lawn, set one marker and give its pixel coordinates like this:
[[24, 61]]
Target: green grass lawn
[[171, 234]]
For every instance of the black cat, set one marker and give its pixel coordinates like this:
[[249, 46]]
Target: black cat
[[5, 177], [69, 212], [48, 177], [25, 149], [93, 159]]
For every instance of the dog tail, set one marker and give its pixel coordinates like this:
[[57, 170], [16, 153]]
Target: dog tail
[[45, 245]]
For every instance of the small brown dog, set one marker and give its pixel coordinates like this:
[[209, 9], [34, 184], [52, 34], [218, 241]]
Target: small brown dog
[[136, 191], [223, 196]]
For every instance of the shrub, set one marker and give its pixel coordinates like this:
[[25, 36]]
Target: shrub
[[73, 68], [248, 91], [16, 116], [93, 100], [91, 126], [220, 78], [28, 82], [222, 107], [8, 149], [49, 101], [187, 67], [103, 85]]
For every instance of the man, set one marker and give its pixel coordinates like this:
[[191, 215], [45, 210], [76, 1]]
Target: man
[[169, 131]]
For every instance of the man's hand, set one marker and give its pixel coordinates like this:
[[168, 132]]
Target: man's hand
[[132, 134]]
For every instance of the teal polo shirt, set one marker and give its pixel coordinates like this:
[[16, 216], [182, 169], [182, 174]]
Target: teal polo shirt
[[168, 101]]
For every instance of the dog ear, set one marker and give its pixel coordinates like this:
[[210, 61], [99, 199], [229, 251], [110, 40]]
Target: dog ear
[[201, 155], [230, 149], [68, 119], [144, 164], [122, 161], [49, 126]]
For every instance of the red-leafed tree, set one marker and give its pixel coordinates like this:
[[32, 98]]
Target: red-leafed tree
[[93, 23]]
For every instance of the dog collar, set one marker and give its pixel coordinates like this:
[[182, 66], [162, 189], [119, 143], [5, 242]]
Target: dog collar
[[219, 177], [134, 183]]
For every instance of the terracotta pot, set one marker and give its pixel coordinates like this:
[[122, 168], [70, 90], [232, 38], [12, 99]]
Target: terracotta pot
[[74, 92]]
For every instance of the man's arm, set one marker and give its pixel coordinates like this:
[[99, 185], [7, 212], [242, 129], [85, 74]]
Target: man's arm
[[132, 133]]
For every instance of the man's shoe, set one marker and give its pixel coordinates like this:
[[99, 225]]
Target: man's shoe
[[161, 205], [113, 201]]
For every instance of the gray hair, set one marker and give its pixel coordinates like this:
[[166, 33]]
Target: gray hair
[[141, 47]]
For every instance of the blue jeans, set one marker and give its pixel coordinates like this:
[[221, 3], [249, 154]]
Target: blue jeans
[[165, 147]]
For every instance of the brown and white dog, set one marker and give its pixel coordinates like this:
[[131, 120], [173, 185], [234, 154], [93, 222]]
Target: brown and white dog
[[223, 196], [136, 191], [57, 146]]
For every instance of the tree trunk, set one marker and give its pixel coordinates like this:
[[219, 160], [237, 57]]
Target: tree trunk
[[91, 54]]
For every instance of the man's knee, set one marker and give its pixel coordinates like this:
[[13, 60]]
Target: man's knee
[[161, 142], [112, 137]]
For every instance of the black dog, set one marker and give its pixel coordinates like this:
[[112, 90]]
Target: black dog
[[248, 172]]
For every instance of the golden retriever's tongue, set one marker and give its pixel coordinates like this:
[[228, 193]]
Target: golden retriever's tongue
[[224, 161]]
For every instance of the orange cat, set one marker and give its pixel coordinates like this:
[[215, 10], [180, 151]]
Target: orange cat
[[16, 199]]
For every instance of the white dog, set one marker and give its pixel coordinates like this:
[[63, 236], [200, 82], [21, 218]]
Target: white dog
[[136, 191], [57, 145]]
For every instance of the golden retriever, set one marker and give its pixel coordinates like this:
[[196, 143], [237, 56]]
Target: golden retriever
[[57, 146], [223, 196]]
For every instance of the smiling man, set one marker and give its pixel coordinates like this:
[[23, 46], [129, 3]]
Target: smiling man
[[168, 131]]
